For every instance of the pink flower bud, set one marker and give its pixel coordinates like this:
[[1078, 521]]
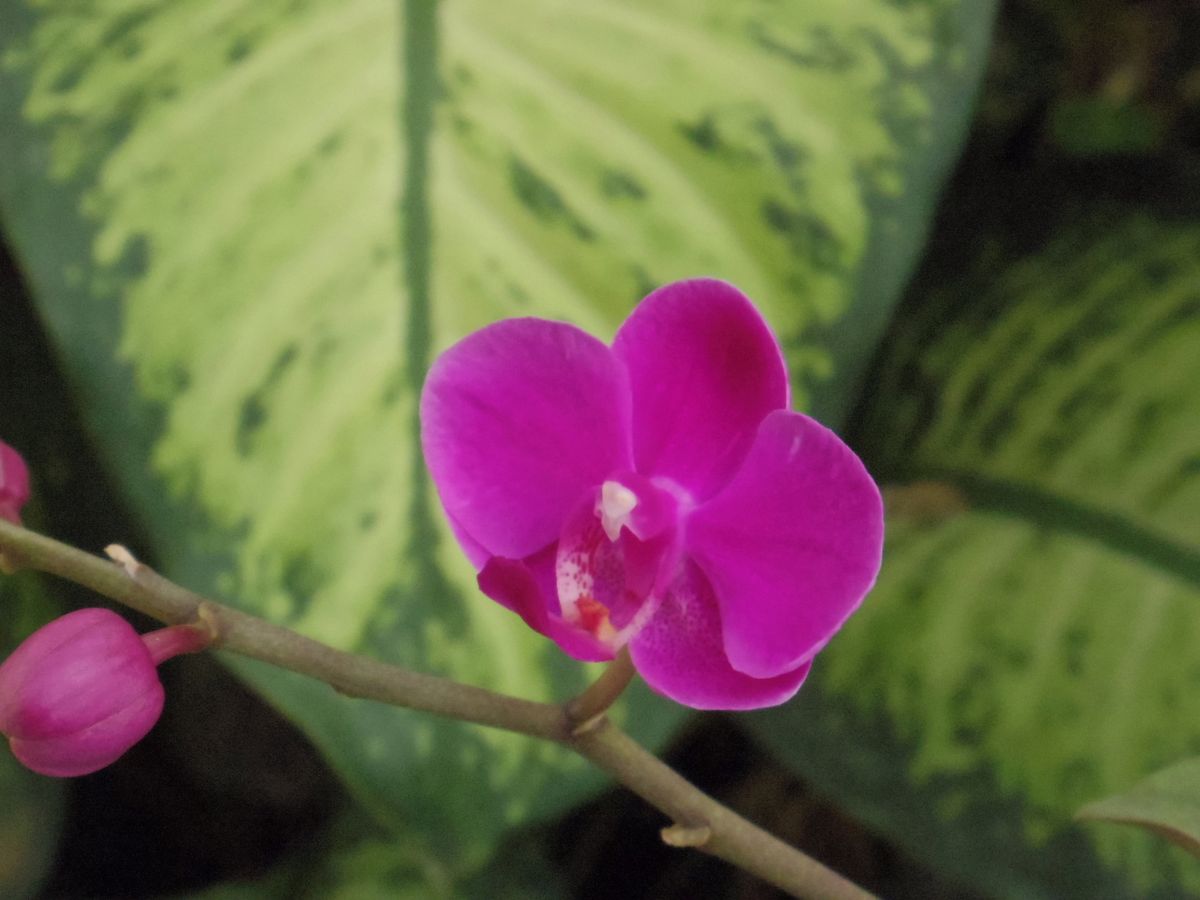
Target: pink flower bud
[[83, 689], [14, 484]]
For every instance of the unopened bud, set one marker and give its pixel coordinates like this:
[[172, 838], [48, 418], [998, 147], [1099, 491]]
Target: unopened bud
[[83, 689], [14, 484]]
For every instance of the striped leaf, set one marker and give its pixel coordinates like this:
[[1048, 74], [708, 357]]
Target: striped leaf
[[250, 226], [1032, 641]]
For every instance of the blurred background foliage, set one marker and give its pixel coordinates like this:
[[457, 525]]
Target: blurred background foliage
[[237, 233]]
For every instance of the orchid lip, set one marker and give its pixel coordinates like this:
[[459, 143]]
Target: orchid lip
[[612, 554], [644, 614]]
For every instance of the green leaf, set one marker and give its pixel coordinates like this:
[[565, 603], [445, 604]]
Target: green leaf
[[1167, 803], [795, 151], [1032, 640], [249, 227]]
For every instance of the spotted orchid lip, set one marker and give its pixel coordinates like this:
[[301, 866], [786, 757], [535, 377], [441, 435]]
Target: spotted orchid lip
[[616, 557]]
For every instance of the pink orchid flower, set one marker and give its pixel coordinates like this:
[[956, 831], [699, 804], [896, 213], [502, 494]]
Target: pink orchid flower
[[657, 493]]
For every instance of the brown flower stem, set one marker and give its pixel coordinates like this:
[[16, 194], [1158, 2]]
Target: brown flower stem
[[699, 820], [585, 710]]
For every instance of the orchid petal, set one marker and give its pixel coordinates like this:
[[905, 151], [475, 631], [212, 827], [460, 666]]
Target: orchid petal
[[474, 551], [791, 546], [679, 653], [704, 369], [518, 421]]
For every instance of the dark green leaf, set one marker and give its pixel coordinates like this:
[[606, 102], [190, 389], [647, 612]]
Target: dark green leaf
[[1032, 640], [250, 226]]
